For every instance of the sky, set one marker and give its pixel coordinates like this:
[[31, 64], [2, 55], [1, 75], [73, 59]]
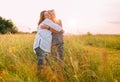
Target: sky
[[78, 16]]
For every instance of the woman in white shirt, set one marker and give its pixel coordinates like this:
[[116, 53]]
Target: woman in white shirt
[[43, 39]]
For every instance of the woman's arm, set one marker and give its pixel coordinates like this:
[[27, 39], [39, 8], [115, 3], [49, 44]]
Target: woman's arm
[[48, 28], [52, 25], [59, 22], [51, 29]]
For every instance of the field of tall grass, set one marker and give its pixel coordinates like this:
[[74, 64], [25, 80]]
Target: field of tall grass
[[94, 58]]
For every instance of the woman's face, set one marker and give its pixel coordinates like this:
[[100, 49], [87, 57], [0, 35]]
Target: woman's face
[[47, 15], [52, 13]]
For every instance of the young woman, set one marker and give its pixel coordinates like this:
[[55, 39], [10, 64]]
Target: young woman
[[57, 38]]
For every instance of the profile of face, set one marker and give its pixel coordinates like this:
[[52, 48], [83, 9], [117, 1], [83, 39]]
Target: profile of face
[[52, 13], [47, 15]]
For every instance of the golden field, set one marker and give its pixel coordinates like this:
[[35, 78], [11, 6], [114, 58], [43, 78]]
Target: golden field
[[87, 58]]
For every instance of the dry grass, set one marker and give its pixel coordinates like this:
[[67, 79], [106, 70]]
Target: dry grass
[[86, 59]]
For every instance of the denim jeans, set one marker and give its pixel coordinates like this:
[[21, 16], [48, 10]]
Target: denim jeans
[[41, 55], [57, 50]]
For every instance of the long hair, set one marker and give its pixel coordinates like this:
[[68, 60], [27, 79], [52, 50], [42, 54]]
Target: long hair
[[41, 17]]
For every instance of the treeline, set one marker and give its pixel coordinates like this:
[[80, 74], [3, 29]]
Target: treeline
[[7, 26]]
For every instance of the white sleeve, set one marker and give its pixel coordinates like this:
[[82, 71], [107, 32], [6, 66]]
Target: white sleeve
[[52, 24]]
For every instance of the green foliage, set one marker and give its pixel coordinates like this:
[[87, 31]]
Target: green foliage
[[106, 41], [34, 32], [89, 34], [7, 26]]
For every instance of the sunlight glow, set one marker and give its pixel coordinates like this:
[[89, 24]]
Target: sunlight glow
[[72, 23]]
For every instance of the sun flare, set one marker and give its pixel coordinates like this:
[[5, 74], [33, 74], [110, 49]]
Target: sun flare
[[72, 23]]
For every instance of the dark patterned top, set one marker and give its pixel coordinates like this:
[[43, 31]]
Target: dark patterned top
[[57, 38]]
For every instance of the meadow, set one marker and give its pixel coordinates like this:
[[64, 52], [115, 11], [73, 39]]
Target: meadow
[[87, 58]]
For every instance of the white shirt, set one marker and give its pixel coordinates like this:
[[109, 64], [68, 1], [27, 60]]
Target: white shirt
[[43, 37]]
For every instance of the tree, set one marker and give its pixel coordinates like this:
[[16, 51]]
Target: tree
[[34, 32], [89, 34], [7, 26]]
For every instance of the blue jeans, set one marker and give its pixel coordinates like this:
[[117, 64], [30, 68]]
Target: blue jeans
[[41, 56]]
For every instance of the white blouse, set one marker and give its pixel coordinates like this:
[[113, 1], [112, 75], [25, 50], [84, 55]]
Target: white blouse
[[43, 37]]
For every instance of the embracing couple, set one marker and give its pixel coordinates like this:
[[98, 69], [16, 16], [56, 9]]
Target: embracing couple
[[49, 37]]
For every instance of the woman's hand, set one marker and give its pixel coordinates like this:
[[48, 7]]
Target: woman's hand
[[62, 31]]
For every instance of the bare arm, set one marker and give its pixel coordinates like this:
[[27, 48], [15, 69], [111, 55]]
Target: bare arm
[[59, 22]]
